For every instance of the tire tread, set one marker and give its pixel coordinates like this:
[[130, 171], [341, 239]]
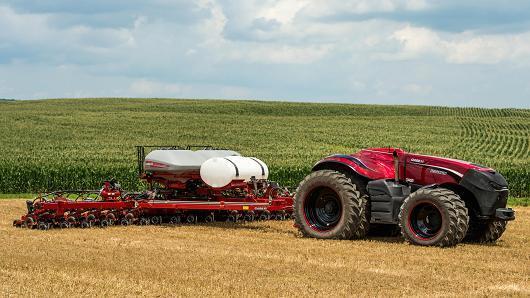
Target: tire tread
[[456, 208], [348, 189]]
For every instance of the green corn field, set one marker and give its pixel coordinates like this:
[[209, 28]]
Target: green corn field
[[78, 143]]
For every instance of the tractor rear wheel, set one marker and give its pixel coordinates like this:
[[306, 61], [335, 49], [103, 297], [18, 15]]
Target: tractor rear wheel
[[485, 232], [327, 206], [433, 217], [364, 223]]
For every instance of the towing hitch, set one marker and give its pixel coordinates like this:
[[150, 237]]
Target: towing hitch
[[505, 214]]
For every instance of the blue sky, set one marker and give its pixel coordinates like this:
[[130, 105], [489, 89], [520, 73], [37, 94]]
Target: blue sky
[[456, 53]]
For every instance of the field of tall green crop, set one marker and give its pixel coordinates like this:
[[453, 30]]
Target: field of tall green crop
[[74, 143]]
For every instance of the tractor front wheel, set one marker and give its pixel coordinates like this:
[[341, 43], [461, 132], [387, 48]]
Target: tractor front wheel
[[327, 206], [485, 232], [433, 217]]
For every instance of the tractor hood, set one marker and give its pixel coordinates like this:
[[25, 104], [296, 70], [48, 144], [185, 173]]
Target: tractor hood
[[377, 163], [455, 166]]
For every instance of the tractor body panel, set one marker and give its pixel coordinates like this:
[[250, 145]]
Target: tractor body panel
[[386, 197], [490, 187]]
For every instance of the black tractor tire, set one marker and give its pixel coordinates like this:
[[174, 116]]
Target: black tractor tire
[[327, 205], [485, 231], [248, 217], [175, 220], [103, 223], [191, 219], [156, 220], [144, 221], [209, 218], [71, 221], [111, 218], [264, 216], [364, 223], [364, 220], [433, 217], [43, 226]]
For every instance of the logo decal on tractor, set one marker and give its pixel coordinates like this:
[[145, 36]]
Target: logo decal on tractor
[[417, 160], [439, 172]]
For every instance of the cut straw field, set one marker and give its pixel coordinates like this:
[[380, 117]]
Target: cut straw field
[[265, 258]]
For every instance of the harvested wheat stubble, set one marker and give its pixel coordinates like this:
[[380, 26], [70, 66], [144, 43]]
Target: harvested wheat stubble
[[265, 258]]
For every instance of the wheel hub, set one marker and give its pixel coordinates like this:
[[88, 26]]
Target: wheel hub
[[323, 209], [426, 220], [329, 208]]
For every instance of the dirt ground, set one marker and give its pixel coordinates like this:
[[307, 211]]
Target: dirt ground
[[257, 259]]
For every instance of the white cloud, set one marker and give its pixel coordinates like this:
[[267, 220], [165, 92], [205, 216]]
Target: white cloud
[[463, 48], [333, 7], [416, 41], [31, 27], [490, 49], [283, 11], [34, 33], [288, 49]]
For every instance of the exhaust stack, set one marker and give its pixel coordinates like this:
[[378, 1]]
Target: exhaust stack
[[396, 166]]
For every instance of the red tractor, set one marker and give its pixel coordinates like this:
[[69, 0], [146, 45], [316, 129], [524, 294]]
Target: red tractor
[[435, 201]]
